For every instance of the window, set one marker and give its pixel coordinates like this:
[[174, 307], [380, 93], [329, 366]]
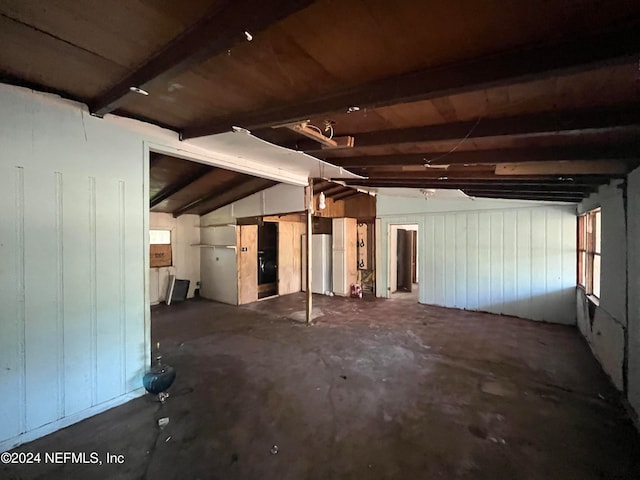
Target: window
[[160, 248], [589, 229]]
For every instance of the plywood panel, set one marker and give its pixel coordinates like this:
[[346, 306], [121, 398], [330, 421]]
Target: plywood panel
[[289, 257], [345, 254], [351, 249], [248, 264]]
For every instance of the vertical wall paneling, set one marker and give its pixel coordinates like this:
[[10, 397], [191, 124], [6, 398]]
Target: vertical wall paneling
[[450, 260], [21, 298], [122, 282], [524, 262], [59, 291], [553, 257], [41, 344], [509, 295], [538, 260], [461, 256], [439, 260], [428, 245], [12, 365], [496, 256], [107, 243], [77, 293], [473, 255], [75, 326], [484, 261], [93, 288], [516, 261]]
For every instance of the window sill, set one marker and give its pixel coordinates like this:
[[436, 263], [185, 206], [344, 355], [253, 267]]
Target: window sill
[[593, 299]]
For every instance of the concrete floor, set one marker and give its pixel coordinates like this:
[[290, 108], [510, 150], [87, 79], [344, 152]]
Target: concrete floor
[[376, 390]]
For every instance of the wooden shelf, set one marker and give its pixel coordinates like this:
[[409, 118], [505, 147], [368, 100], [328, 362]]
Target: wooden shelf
[[209, 245]]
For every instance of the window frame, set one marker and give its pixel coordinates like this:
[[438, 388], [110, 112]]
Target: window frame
[[589, 238]]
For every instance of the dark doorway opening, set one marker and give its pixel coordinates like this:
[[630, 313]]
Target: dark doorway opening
[[267, 259]]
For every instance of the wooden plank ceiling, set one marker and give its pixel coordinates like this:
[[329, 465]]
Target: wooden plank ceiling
[[499, 98], [181, 187]]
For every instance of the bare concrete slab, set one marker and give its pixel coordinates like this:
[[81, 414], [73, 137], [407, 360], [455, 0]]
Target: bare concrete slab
[[374, 390]]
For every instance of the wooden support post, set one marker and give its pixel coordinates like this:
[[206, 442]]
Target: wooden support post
[[309, 199]]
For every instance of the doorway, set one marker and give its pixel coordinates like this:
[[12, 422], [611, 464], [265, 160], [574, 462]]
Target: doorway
[[267, 259], [403, 260]]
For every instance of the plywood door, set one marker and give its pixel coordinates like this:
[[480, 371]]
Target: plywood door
[[248, 264], [290, 257]]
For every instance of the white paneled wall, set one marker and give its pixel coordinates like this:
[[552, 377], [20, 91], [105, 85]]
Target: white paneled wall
[[515, 258], [516, 262], [74, 315], [72, 282]]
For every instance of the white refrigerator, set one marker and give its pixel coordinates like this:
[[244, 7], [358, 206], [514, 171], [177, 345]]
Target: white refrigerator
[[320, 263]]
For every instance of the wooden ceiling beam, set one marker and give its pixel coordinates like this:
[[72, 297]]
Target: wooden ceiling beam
[[221, 28], [322, 185], [576, 167], [471, 175], [175, 187], [224, 195], [347, 194], [330, 192], [584, 180], [506, 68], [496, 156], [526, 196], [533, 189], [593, 120]]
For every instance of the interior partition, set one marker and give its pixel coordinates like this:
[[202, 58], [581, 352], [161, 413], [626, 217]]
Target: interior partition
[[514, 258]]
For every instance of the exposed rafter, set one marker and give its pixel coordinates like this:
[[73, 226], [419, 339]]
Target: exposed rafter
[[225, 195], [582, 180], [217, 31], [169, 190], [576, 167], [579, 121], [506, 68], [346, 194], [492, 157], [527, 196], [330, 192]]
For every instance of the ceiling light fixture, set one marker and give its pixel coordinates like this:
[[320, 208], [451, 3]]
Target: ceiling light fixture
[[443, 178], [353, 109], [139, 90], [248, 35]]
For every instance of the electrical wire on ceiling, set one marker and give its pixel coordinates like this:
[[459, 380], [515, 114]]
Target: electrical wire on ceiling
[[428, 161]]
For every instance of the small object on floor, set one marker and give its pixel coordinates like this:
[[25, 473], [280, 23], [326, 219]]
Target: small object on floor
[[600, 396], [234, 458], [344, 377], [274, 450], [167, 439], [163, 422], [159, 377]]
